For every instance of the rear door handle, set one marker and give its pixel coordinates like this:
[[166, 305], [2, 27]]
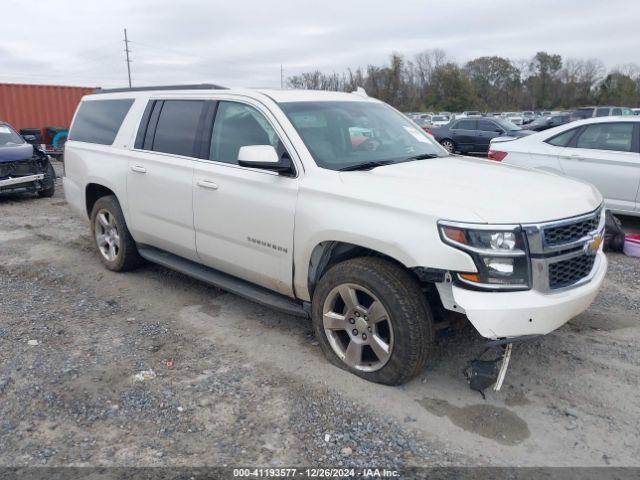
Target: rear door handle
[[207, 184], [576, 157], [139, 169]]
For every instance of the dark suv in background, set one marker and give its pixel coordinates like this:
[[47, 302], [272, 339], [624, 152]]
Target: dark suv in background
[[23, 167], [472, 135]]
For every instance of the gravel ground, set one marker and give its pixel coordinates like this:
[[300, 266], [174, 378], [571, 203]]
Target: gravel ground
[[231, 383]]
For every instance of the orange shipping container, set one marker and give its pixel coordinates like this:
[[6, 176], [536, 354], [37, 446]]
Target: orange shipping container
[[39, 106]]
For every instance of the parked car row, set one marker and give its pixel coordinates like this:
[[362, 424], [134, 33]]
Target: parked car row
[[473, 134], [542, 119], [602, 151]]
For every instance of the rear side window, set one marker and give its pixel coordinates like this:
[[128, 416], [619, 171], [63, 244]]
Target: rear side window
[[602, 112], [98, 121], [607, 136], [465, 125], [177, 127], [563, 139], [584, 112]]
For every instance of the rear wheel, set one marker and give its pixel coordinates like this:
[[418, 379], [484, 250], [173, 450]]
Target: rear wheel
[[448, 145], [371, 318], [115, 245]]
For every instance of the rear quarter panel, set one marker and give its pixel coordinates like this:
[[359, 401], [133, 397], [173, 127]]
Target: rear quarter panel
[[105, 165], [532, 152]]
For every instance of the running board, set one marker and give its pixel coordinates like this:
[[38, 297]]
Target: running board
[[224, 281]]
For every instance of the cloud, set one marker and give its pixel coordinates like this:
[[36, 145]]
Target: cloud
[[244, 42]]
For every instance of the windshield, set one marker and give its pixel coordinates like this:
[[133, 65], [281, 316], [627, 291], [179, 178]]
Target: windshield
[[344, 134], [8, 137], [439, 118]]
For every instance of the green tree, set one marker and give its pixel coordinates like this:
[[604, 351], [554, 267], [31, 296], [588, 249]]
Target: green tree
[[451, 89], [618, 89], [495, 80], [543, 82]]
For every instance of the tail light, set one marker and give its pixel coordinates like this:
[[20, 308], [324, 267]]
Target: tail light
[[496, 155], [428, 130]]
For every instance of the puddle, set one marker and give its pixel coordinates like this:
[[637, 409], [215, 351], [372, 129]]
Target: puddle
[[489, 421]]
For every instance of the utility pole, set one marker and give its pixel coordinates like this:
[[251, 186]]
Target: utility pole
[[127, 51], [281, 77]]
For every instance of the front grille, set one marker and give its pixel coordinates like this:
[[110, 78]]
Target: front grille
[[567, 272], [20, 168], [570, 232]]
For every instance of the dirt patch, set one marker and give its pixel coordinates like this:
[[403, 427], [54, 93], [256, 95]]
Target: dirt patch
[[489, 421], [516, 398]]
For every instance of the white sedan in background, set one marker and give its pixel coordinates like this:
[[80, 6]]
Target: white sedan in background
[[603, 151], [514, 117]]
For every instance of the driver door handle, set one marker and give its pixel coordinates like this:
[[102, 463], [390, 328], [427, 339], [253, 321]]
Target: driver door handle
[[138, 169], [575, 156], [207, 184]]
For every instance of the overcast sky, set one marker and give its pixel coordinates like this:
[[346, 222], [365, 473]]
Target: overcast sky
[[244, 42]]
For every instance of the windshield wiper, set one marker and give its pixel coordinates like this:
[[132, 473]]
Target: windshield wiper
[[366, 165], [422, 156]]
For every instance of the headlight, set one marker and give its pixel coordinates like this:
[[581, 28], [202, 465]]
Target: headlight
[[500, 255]]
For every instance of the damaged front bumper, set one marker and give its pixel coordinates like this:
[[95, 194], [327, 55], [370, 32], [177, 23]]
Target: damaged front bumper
[[31, 175], [514, 314], [20, 180]]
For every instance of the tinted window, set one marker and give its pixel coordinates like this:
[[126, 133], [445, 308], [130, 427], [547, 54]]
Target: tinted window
[[584, 112], [239, 125], [616, 111], [98, 121], [602, 112], [177, 127], [607, 136], [465, 125], [487, 126], [563, 139]]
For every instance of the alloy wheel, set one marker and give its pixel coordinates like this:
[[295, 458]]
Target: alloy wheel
[[448, 145], [358, 327], [107, 236]]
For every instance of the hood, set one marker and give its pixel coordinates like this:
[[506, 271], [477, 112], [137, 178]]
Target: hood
[[12, 153], [474, 190]]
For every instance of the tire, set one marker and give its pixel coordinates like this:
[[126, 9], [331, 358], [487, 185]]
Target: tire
[[448, 145], [117, 249], [51, 177], [407, 331]]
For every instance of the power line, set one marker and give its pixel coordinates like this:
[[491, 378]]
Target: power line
[[184, 53], [127, 51]]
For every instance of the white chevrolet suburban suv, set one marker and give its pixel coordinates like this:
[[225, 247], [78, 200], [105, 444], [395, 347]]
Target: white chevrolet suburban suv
[[337, 207]]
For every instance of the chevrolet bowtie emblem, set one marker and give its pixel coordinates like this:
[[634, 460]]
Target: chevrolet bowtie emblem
[[593, 245]]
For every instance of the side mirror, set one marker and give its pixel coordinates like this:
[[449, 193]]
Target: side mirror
[[29, 138], [264, 157], [499, 130]]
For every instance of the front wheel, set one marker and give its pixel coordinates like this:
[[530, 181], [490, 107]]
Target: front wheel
[[371, 318], [448, 145], [50, 179]]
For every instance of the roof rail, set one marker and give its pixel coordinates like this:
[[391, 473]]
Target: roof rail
[[200, 86]]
